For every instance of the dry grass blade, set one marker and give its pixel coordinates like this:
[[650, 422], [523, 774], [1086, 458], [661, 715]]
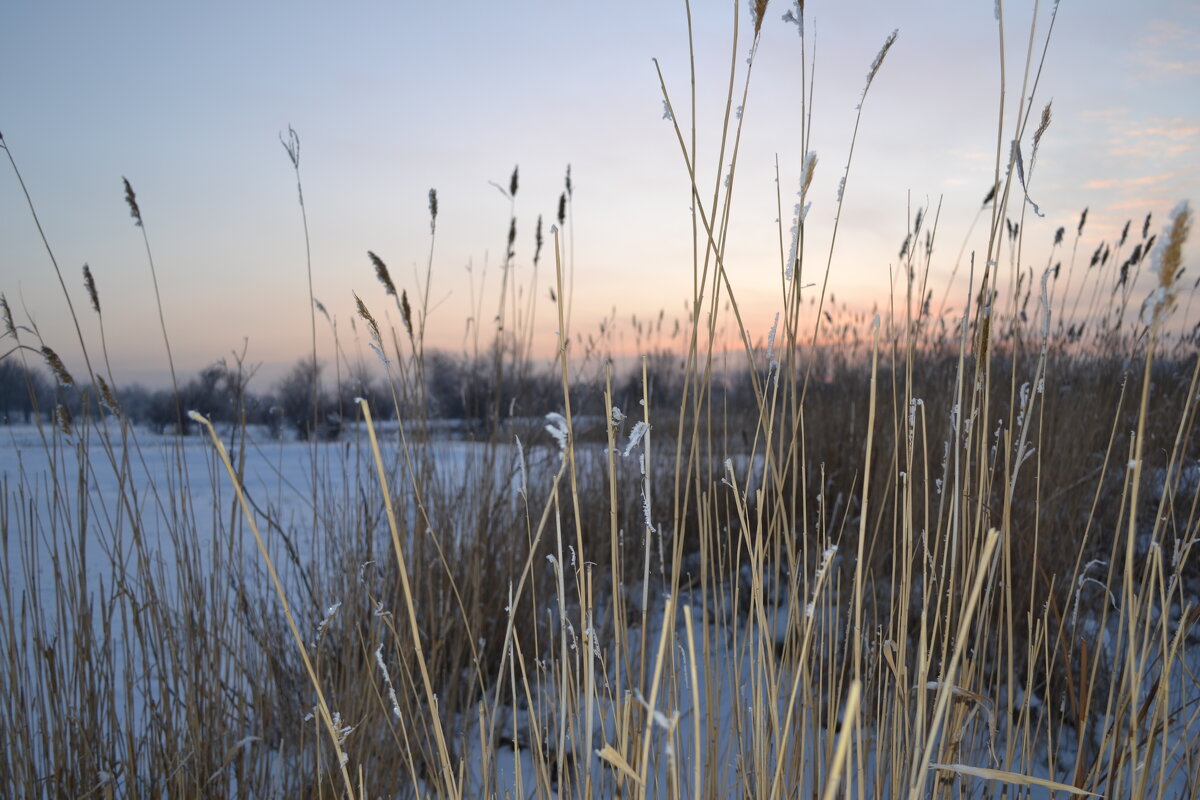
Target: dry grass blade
[[1013, 778], [842, 748], [610, 754], [325, 714], [447, 769]]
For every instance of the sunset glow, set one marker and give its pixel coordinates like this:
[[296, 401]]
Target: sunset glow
[[392, 100]]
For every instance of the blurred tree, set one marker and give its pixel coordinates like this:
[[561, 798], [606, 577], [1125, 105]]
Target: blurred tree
[[23, 391]]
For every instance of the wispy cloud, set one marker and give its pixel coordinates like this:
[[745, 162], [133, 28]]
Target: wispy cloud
[[1169, 48], [1154, 138], [976, 155], [1105, 114], [1139, 204], [1130, 183]]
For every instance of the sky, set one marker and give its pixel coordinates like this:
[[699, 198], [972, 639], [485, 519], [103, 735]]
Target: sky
[[188, 102]]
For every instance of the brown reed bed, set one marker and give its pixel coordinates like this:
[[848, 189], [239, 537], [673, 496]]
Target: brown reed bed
[[927, 554]]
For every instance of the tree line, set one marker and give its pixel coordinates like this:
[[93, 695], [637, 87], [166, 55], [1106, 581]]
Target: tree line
[[314, 399]]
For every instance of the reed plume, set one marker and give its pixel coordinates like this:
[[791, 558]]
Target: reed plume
[[381, 272], [90, 283], [57, 367], [131, 199]]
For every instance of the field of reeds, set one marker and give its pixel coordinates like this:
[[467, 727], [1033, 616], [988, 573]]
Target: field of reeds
[[919, 554]]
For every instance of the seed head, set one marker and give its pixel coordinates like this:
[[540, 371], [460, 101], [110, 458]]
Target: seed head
[[57, 367], [63, 417], [537, 253], [292, 146], [381, 272], [370, 320], [1041, 128], [90, 283], [107, 396], [9, 328], [1168, 263], [883, 51], [406, 313], [756, 12], [131, 199]]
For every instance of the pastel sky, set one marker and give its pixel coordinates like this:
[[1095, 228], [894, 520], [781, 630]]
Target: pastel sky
[[391, 99]]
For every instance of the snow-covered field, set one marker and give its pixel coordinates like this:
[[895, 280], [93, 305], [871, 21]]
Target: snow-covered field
[[176, 483], [703, 714]]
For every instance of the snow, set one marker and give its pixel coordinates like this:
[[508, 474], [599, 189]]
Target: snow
[[730, 697]]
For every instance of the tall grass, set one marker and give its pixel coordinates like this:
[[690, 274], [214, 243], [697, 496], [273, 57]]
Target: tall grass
[[915, 555]]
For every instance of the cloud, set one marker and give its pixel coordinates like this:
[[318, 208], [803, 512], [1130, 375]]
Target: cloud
[[1138, 204], [1130, 183], [1163, 33], [1169, 48], [1105, 114], [975, 155], [1178, 67], [1155, 138]]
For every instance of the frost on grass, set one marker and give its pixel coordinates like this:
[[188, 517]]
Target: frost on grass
[[771, 338], [557, 427], [826, 558], [523, 487], [329, 614], [1020, 163], [801, 211], [795, 15], [912, 417], [1023, 399], [646, 510], [878, 62], [635, 437], [387, 680], [667, 111], [342, 732]]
